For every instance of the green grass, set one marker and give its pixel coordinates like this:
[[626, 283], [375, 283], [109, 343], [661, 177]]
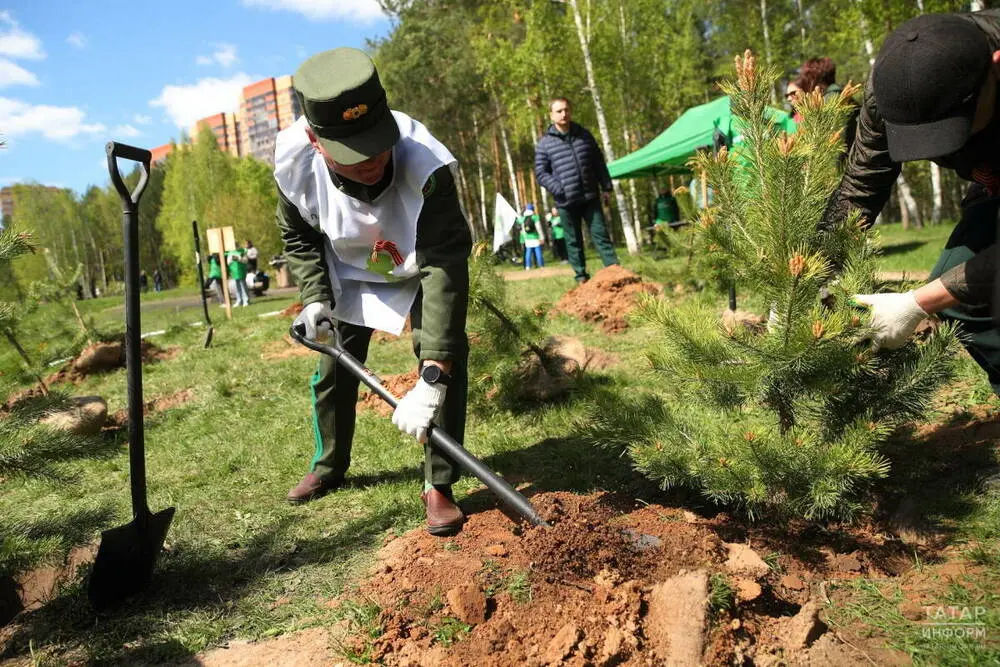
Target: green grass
[[226, 459], [911, 250]]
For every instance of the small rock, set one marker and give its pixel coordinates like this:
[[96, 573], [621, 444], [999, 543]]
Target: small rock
[[913, 611], [846, 563], [747, 590], [675, 623], [100, 357], [562, 644], [792, 583], [468, 603], [691, 517], [608, 578], [735, 625], [744, 560], [497, 550], [611, 650], [804, 628], [85, 416]]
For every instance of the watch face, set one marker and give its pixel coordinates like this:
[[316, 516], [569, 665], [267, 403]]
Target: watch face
[[431, 373]]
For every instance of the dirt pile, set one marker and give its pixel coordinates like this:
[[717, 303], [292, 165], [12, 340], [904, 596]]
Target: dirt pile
[[565, 359], [606, 298], [108, 356], [607, 584], [119, 420], [397, 385]]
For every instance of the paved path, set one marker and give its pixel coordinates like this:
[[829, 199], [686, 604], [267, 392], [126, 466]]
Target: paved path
[[544, 272]]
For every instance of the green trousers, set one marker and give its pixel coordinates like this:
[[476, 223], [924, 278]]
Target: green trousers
[[976, 231], [573, 217], [335, 397]]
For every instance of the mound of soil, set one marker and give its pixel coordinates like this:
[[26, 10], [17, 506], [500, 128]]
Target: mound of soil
[[397, 385], [119, 419], [606, 298], [108, 356], [567, 358], [607, 584]]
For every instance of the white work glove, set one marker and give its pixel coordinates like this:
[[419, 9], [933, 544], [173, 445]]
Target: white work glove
[[894, 317], [316, 318], [418, 408]]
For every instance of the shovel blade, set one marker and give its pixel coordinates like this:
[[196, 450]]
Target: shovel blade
[[125, 559]]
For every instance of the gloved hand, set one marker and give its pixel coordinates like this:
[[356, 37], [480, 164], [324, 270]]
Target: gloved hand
[[894, 317], [418, 408], [316, 318]]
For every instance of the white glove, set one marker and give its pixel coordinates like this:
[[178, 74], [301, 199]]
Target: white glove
[[418, 408], [894, 317], [317, 318]]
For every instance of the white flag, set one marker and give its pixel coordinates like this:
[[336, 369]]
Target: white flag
[[504, 217]]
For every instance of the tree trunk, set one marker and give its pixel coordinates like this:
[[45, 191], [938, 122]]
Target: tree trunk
[[507, 155], [609, 153], [767, 44], [636, 218], [803, 53], [937, 195], [482, 179], [907, 200]]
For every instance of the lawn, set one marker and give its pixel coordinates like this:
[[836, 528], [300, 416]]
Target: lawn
[[241, 563]]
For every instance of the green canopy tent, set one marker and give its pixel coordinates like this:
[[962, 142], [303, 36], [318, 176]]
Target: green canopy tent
[[697, 127]]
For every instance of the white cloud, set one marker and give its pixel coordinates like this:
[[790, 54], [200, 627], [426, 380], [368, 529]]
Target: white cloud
[[126, 131], [17, 43], [77, 39], [142, 119], [12, 74], [55, 123], [225, 55], [187, 104], [362, 11]]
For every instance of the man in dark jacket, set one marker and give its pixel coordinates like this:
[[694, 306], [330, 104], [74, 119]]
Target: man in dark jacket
[[570, 165], [933, 96]]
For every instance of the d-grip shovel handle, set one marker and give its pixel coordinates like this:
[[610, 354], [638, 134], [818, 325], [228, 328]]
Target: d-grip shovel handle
[[443, 442], [116, 150], [133, 358]]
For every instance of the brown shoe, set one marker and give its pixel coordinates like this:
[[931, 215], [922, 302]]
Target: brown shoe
[[312, 487], [444, 517]]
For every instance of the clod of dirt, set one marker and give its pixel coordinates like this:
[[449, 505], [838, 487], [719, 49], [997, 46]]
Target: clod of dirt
[[467, 603], [562, 644], [744, 560], [606, 298], [801, 630], [293, 310], [159, 404], [732, 320], [108, 356], [85, 416], [675, 627], [565, 359], [792, 582], [747, 590], [397, 385]]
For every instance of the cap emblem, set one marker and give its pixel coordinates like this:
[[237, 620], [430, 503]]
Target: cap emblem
[[355, 113]]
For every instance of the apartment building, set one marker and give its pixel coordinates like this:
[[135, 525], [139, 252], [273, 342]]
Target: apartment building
[[160, 153], [226, 127], [266, 107]]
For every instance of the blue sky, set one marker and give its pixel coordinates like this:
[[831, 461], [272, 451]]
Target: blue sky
[[77, 73]]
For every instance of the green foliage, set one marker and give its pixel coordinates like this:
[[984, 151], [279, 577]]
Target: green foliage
[[790, 419], [450, 630], [519, 586], [721, 594], [503, 333]]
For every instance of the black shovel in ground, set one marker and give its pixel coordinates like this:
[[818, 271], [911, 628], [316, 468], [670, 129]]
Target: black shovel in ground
[[438, 439], [201, 281], [125, 560]]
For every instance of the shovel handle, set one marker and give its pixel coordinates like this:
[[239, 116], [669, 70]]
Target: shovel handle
[[116, 150], [440, 440]]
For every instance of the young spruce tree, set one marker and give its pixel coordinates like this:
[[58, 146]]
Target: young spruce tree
[[786, 420]]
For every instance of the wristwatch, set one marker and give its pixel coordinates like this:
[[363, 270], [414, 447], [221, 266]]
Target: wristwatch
[[432, 374]]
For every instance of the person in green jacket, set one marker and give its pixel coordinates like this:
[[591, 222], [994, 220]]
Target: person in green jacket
[[368, 246], [215, 277], [558, 235], [237, 266], [531, 239]]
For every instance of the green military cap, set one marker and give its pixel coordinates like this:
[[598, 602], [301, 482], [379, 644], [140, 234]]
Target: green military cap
[[345, 105]]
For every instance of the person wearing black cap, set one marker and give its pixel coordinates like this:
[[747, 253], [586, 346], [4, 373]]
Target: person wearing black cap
[[932, 96], [373, 233]]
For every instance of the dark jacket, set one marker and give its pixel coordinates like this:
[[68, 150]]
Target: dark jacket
[[571, 166], [444, 244], [870, 173]]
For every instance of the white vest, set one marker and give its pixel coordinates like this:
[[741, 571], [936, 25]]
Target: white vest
[[352, 227]]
